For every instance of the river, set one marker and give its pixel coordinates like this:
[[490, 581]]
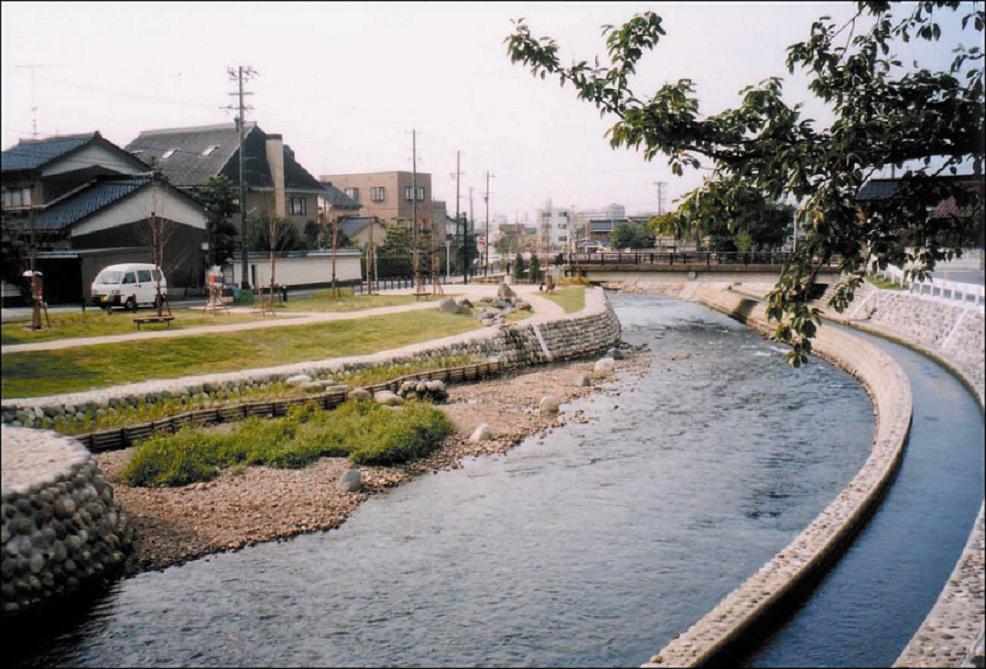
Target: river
[[592, 545]]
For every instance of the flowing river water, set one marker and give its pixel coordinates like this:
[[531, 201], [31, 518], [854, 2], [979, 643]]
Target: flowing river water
[[592, 545]]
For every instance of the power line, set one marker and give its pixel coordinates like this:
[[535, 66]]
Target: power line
[[128, 94]]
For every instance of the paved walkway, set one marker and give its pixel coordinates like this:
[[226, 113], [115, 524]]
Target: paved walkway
[[542, 308]]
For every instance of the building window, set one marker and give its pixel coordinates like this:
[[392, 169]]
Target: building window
[[353, 193], [298, 206], [17, 197], [209, 149], [377, 193], [420, 195], [563, 238], [167, 154]]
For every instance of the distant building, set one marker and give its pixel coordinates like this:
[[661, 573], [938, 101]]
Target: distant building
[[555, 227], [390, 196]]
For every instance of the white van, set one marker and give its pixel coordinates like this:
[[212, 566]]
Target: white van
[[129, 284]]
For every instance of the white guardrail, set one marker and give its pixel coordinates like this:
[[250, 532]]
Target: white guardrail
[[968, 293]]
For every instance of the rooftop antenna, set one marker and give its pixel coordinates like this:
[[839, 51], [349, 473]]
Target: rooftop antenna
[[34, 104]]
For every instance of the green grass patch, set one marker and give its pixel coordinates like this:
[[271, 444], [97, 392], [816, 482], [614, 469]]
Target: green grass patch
[[369, 434], [146, 411], [98, 323], [35, 373], [885, 284], [347, 300], [570, 298]]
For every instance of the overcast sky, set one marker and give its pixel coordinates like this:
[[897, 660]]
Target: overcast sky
[[345, 83]]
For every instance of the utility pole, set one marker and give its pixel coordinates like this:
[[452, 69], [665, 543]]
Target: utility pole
[[414, 212], [458, 173], [486, 249], [472, 219], [660, 196], [238, 75]]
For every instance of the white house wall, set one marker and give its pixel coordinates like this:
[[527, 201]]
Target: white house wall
[[310, 270], [139, 206], [90, 156]]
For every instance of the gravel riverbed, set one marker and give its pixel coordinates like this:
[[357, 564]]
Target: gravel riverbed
[[256, 504]]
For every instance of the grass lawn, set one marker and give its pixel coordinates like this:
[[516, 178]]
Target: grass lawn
[[570, 298], [347, 301], [885, 284], [36, 373], [98, 323]]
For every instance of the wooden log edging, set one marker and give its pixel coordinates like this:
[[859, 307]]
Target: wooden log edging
[[823, 540], [124, 437]]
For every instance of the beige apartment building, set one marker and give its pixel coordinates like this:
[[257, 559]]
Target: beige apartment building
[[387, 195]]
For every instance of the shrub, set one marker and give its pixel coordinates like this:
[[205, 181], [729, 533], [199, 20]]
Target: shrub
[[369, 433]]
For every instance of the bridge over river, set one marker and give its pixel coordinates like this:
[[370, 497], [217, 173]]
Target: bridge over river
[[679, 266]]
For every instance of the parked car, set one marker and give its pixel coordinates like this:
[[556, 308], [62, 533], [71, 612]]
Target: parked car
[[129, 285]]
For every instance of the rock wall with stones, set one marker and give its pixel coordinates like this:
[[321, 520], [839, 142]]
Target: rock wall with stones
[[951, 329], [61, 527], [591, 330], [822, 539]]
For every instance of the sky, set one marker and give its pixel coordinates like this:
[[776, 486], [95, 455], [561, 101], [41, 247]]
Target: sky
[[345, 84]]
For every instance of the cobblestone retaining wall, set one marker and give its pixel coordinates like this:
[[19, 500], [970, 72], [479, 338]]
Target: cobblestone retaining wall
[[823, 539], [591, 330], [61, 527], [950, 329]]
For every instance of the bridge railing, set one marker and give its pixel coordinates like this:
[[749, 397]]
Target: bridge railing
[[706, 258]]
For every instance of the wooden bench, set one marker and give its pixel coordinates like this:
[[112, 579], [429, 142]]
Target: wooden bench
[[153, 319]]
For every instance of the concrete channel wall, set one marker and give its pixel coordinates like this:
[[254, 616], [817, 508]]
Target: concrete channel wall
[[536, 340], [61, 527], [953, 334], [826, 536]]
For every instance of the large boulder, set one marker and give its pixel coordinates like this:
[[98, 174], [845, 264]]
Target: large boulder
[[504, 292], [350, 481], [359, 394], [464, 303], [448, 306], [604, 365], [549, 404], [481, 433], [298, 380], [387, 398]]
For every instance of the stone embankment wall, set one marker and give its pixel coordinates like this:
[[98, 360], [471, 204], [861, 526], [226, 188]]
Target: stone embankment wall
[[825, 537], [536, 340], [949, 329], [61, 528]]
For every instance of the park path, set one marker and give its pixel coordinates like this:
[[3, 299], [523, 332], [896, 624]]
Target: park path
[[540, 305]]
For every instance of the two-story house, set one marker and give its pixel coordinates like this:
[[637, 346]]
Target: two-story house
[[277, 185]]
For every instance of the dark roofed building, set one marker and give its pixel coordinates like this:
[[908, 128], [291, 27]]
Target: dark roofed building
[[37, 171], [107, 220], [277, 185], [359, 229]]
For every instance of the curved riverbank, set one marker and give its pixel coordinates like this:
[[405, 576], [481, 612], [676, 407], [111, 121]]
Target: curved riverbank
[[825, 537], [243, 507]]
